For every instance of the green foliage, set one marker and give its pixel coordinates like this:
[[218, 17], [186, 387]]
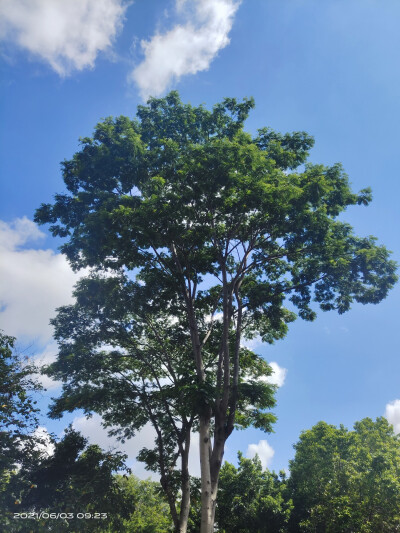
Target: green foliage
[[194, 179], [251, 500], [17, 408], [151, 512], [76, 478], [343, 481], [18, 415], [211, 221]]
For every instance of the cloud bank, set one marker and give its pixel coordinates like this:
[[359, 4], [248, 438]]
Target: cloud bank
[[186, 49], [66, 34], [44, 443], [392, 413], [33, 283]]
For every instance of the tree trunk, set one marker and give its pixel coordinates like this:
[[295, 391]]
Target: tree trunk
[[214, 491], [207, 497], [171, 503], [185, 487]]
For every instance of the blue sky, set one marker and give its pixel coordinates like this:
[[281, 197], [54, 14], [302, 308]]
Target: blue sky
[[329, 68]]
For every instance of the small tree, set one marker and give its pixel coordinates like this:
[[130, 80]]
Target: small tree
[[216, 221], [151, 512]]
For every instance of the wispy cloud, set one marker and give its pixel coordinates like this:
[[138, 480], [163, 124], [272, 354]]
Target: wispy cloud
[[93, 430], [187, 48], [68, 34], [392, 413], [264, 451], [44, 358]]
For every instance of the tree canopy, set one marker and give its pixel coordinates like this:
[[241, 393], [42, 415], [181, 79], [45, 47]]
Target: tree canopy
[[224, 230], [251, 499], [343, 481]]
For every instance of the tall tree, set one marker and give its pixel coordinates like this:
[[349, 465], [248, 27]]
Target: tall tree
[[216, 221]]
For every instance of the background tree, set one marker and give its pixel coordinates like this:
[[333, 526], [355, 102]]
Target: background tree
[[343, 481], [18, 418], [251, 500], [151, 511], [215, 220], [18, 411], [76, 478]]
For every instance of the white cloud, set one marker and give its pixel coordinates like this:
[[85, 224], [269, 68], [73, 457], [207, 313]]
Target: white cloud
[[19, 232], [252, 344], [392, 413], [264, 451], [92, 429], [278, 377], [187, 48], [33, 283], [44, 443], [67, 34]]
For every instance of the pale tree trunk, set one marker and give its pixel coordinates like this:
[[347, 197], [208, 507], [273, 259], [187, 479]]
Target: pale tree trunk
[[207, 497], [185, 487], [211, 456], [210, 468], [214, 504]]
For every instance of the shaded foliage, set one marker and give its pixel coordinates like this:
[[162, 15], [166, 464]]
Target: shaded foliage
[[76, 478], [252, 500], [18, 416]]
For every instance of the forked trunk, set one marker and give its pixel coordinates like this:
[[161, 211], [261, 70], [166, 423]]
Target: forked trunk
[[210, 468]]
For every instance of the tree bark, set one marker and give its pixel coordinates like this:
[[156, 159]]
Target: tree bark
[[185, 486], [207, 496]]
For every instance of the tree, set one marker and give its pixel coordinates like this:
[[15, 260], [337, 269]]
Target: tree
[[18, 411], [343, 481], [18, 416], [151, 512], [213, 220], [76, 478], [145, 375], [251, 500]]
